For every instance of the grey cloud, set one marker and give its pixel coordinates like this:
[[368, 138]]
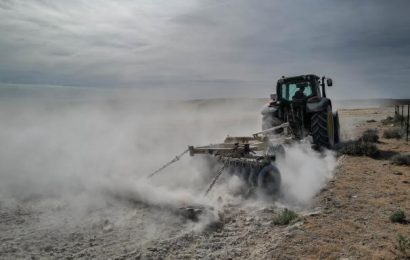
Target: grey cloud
[[207, 44]]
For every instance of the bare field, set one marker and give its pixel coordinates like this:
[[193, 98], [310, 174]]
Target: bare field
[[103, 208]]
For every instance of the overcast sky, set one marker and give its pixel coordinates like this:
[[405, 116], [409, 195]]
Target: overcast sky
[[207, 48]]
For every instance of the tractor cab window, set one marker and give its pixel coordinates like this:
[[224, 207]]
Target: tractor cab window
[[292, 91]]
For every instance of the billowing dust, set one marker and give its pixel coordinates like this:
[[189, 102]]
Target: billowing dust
[[73, 164]]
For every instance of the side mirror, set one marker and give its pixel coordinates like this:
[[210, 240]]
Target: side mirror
[[329, 82], [273, 97]]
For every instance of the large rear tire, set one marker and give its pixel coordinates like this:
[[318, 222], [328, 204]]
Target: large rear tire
[[323, 130], [269, 180], [336, 127]]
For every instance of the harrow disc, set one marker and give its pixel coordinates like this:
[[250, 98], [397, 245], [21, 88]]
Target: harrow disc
[[269, 180]]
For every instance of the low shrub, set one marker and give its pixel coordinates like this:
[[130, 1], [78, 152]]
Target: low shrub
[[401, 159], [358, 148], [398, 217], [393, 120], [403, 245], [388, 121], [392, 133], [398, 118], [370, 135], [285, 217]]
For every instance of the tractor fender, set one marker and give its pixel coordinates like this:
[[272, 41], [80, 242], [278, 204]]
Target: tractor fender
[[318, 106]]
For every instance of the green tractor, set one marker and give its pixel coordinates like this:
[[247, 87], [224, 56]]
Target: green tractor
[[301, 101]]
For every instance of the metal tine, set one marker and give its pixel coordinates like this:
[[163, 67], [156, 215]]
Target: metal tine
[[177, 158]]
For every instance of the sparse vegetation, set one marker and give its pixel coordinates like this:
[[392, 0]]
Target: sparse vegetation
[[363, 146], [398, 117], [358, 148], [398, 217], [401, 159], [389, 120], [392, 120], [403, 245], [370, 135], [392, 133], [285, 217]]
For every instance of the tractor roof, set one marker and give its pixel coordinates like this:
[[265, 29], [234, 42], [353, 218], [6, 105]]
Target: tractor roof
[[297, 78]]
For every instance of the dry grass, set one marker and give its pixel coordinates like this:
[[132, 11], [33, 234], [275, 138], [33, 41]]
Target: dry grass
[[403, 245], [357, 204]]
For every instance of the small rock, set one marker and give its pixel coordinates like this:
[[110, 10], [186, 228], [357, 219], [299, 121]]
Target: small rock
[[108, 228], [249, 219], [215, 226], [397, 173], [48, 248]]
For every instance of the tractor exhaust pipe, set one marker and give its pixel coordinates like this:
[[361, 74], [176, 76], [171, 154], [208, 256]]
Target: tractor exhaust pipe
[[323, 86]]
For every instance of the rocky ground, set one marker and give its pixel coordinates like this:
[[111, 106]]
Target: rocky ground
[[348, 219]]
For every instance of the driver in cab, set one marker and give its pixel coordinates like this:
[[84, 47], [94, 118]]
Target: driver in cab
[[299, 94]]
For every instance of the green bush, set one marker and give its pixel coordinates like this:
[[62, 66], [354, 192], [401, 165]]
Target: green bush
[[392, 133], [398, 217], [285, 217], [401, 159]]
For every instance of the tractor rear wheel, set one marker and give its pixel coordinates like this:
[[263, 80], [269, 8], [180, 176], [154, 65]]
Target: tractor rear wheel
[[336, 127], [269, 180], [323, 130]]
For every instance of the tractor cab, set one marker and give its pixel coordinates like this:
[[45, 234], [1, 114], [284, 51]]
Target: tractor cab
[[297, 90]]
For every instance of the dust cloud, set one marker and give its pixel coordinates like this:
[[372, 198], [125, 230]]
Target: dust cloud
[[83, 155], [304, 172], [76, 152]]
